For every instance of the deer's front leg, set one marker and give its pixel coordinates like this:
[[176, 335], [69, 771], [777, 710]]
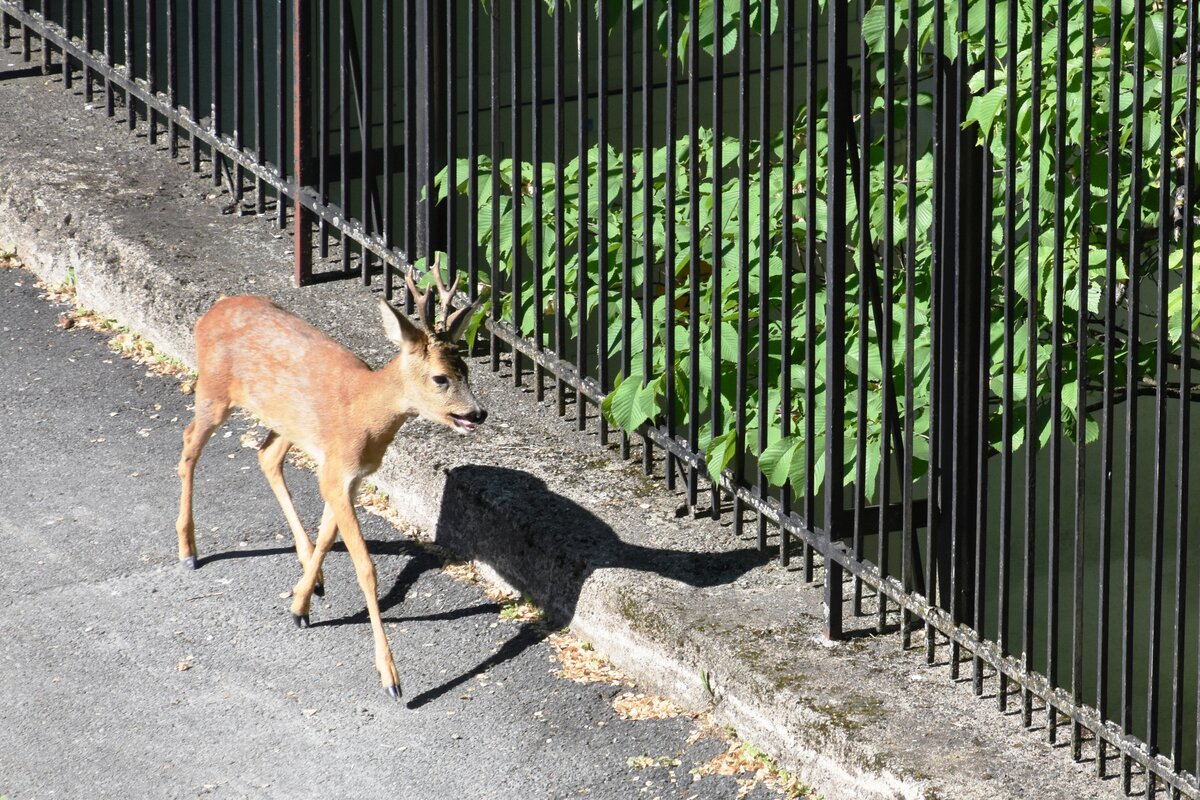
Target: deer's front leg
[[347, 523]]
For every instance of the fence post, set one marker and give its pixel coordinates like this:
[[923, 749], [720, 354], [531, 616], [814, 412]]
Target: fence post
[[302, 218]]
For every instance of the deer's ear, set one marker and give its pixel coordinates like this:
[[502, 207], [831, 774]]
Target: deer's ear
[[398, 328]]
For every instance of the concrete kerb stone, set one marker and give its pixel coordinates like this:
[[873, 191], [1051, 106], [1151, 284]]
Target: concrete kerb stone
[[674, 601]]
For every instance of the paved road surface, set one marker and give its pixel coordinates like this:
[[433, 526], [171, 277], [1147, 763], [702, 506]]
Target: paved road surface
[[123, 676]]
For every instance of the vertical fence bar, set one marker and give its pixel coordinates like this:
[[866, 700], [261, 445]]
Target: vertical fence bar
[[409, 47], [933, 542], [214, 109], [539, 259], [787, 121], [984, 354], [281, 105], [560, 247], [581, 272], [66, 60], [1056, 365], [1133, 298], [301, 130], [863, 201], [88, 90], [473, 210], [450, 46], [494, 120], [428, 80], [365, 108], [1112, 243], [517, 186], [1159, 509], [193, 37], [1185, 389], [215, 77], [130, 72], [715, 363], [260, 104], [238, 81], [1007, 401], [647, 228], [387, 88], [110, 55], [908, 556], [669, 240], [1035, 136], [345, 31], [46, 47], [743, 250], [886, 341], [626, 206], [693, 190], [835, 314], [26, 36], [172, 71], [810, 273], [602, 210], [1081, 375], [324, 68], [151, 63], [954, 271], [764, 271]]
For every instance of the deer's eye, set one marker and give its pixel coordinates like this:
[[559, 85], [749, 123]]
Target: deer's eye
[[441, 380]]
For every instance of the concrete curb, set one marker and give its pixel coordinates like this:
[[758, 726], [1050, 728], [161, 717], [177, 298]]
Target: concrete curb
[[676, 602]]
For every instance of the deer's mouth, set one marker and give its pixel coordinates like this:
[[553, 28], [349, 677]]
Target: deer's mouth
[[462, 424]]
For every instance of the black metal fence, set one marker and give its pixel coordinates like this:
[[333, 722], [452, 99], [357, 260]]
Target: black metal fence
[[912, 286]]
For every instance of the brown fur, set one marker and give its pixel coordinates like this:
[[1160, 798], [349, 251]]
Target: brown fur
[[315, 394]]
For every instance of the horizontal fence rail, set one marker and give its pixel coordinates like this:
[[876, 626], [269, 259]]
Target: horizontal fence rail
[[907, 291]]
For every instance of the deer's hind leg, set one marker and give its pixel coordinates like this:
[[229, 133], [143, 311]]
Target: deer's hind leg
[[210, 413], [271, 455]]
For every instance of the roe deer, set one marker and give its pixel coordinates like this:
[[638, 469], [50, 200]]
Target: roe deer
[[313, 393]]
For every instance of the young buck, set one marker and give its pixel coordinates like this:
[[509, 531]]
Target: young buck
[[313, 393]]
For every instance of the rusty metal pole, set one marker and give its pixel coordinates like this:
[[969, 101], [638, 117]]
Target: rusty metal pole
[[302, 218]]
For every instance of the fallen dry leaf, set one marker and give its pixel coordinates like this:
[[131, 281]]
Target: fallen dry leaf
[[644, 706], [581, 664]]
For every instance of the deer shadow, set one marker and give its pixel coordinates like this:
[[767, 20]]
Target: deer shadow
[[548, 546]]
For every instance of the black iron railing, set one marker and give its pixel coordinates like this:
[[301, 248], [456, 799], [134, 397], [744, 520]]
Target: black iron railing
[[913, 285]]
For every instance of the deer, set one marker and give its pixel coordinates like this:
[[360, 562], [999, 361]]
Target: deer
[[314, 394]]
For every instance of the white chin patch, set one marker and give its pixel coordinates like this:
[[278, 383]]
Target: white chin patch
[[462, 425]]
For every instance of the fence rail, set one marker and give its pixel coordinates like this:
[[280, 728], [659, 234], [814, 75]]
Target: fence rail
[[910, 285]]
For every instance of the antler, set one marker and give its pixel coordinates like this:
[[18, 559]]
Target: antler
[[447, 295], [424, 300]]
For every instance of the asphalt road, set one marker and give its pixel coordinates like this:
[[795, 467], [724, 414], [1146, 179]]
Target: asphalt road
[[123, 676]]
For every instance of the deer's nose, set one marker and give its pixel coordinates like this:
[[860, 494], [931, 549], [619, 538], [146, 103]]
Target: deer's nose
[[477, 416]]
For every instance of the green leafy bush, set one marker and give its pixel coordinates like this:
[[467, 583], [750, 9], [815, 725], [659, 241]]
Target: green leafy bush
[[639, 398]]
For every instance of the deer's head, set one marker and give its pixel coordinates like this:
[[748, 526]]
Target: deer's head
[[433, 373]]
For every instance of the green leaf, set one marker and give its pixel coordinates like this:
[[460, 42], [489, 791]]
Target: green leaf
[[984, 110], [719, 452], [776, 461]]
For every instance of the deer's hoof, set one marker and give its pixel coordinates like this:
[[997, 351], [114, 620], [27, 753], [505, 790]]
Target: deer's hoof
[[301, 620], [319, 589], [394, 691], [189, 562]]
